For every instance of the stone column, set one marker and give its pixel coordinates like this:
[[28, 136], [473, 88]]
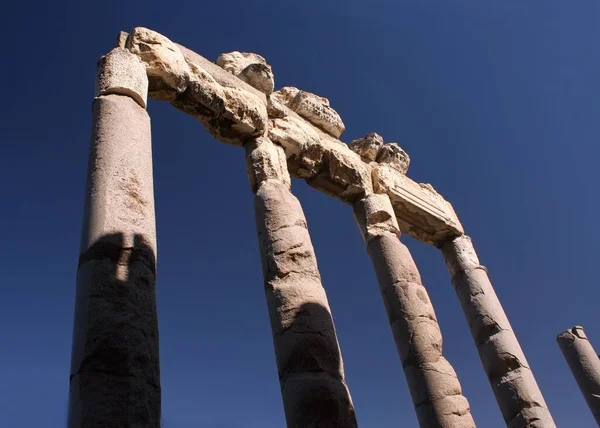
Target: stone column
[[584, 363], [309, 361], [114, 378], [518, 395], [433, 383]]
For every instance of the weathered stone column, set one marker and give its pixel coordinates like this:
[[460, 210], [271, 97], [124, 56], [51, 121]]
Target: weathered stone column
[[433, 383], [584, 363], [309, 361], [114, 378], [518, 395]]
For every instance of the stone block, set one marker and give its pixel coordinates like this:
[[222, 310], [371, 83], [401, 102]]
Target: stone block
[[122, 73], [168, 72]]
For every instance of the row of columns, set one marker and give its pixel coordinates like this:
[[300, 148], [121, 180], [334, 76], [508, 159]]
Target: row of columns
[[115, 370]]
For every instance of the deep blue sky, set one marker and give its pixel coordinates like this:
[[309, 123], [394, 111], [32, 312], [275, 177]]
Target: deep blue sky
[[497, 104]]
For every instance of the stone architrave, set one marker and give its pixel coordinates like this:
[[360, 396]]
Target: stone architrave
[[584, 363], [308, 356], [517, 393], [433, 383], [114, 378]]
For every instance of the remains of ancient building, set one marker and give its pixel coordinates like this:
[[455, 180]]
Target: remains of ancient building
[[285, 133], [584, 363]]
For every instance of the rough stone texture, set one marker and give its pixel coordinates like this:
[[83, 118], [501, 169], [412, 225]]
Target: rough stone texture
[[584, 363], [115, 379], [285, 95], [433, 383], [326, 163], [234, 62], [392, 155], [518, 395], [368, 146], [422, 212], [249, 67], [317, 110], [167, 69], [308, 357], [231, 114], [122, 73], [240, 115], [265, 161]]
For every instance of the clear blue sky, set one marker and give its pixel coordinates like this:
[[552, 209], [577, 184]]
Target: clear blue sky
[[497, 104]]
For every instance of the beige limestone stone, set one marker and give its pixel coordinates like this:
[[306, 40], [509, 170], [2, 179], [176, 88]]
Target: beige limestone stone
[[514, 386], [168, 72], [260, 76], [265, 161], [584, 363], [114, 376], [317, 110], [392, 155], [308, 357], [120, 196], [421, 212], [122, 73], [286, 94], [377, 217], [231, 114], [234, 62], [433, 383], [249, 67], [368, 146]]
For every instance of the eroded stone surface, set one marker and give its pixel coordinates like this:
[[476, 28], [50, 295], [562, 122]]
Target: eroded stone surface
[[368, 146], [231, 114], [504, 362], [584, 363], [422, 212], [285, 95], [317, 110], [265, 161], [392, 155], [122, 73], [375, 217], [234, 111], [308, 357], [167, 69], [434, 386], [249, 67], [114, 376]]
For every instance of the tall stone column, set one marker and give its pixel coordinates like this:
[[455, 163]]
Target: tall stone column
[[114, 378], [518, 395], [309, 361], [584, 363], [433, 383]]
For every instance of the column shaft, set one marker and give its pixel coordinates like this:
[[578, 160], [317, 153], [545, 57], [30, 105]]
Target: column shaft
[[114, 378], [584, 363], [433, 383], [308, 356], [517, 393]]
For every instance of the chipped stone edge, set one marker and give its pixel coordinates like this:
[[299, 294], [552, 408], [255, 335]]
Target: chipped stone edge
[[431, 220]]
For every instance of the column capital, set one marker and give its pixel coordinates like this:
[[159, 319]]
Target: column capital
[[460, 255], [375, 216], [265, 161], [122, 73]]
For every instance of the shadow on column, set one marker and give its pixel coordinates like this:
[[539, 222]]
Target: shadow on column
[[311, 372], [115, 380]]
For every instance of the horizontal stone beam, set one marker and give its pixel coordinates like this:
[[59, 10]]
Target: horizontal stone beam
[[234, 112]]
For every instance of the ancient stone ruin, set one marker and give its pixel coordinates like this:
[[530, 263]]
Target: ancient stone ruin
[[286, 133]]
